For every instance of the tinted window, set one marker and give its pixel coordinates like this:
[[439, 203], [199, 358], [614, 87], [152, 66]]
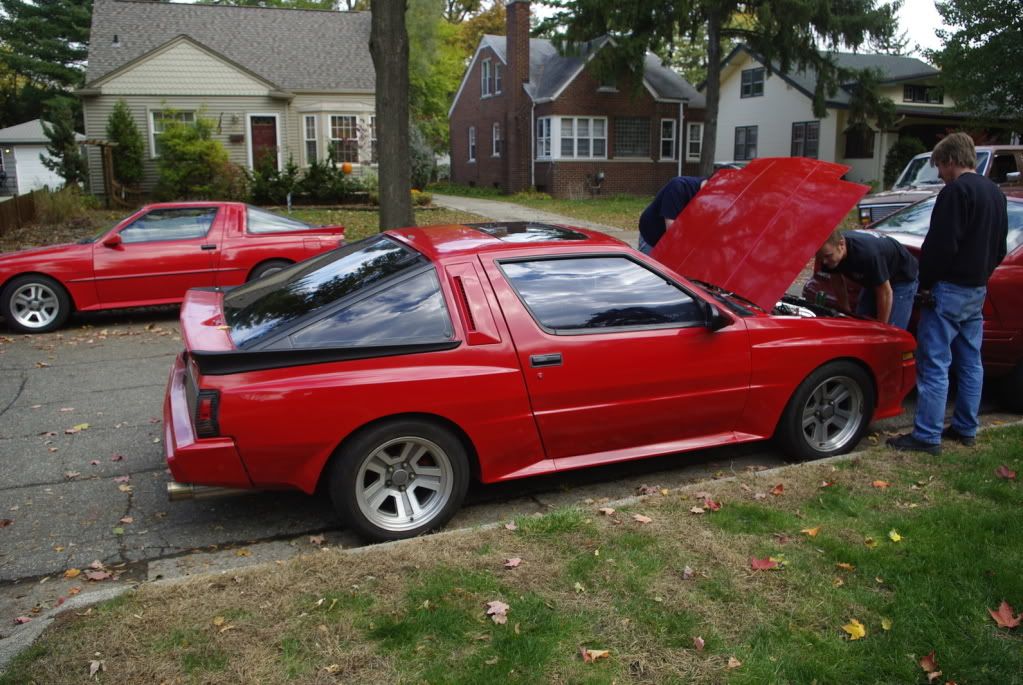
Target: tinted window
[[257, 309], [411, 310], [170, 224], [1015, 225], [915, 219], [599, 292], [259, 221], [920, 171]]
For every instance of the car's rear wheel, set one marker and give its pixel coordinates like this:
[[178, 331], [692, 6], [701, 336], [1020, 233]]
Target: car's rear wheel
[[828, 413], [399, 479], [35, 304], [267, 268]]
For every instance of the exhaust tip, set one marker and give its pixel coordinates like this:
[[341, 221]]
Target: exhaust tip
[[177, 492]]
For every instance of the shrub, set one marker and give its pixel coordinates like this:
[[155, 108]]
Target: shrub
[[325, 183], [421, 198], [128, 154], [65, 156], [898, 157], [69, 205], [421, 158], [271, 186], [190, 161]]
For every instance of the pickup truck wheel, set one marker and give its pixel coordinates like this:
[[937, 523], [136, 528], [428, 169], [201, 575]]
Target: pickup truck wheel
[[399, 479], [828, 413], [267, 268], [35, 304]]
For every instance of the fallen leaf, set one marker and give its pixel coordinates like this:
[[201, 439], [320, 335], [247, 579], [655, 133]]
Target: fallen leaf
[[97, 575], [122, 479], [930, 666], [1003, 617], [512, 563], [123, 487], [94, 462], [126, 519], [118, 531], [219, 621], [733, 663], [579, 587], [855, 629], [870, 542], [117, 457], [711, 504], [698, 644], [498, 611], [95, 666], [66, 409], [894, 536], [880, 484], [332, 669], [778, 490], [639, 518], [491, 661], [71, 475], [243, 552], [762, 564], [96, 565], [511, 526], [837, 582], [591, 655], [696, 510], [72, 573], [812, 532], [826, 483], [845, 566], [1003, 471], [20, 620], [317, 539], [648, 489], [782, 538], [760, 495], [687, 573], [74, 591], [702, 494], [6, 522], [606, 511], [886, 624]]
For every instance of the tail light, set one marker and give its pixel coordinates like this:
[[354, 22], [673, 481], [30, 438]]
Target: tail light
[[207, 407]]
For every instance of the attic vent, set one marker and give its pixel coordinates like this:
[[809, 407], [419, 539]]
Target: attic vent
[[116, 42]]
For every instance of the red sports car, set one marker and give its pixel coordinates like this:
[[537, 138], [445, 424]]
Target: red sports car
[[393, 370], [152, 258], [1003, 310]]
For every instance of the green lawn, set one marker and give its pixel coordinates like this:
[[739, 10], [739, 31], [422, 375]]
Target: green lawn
[[916, 549]]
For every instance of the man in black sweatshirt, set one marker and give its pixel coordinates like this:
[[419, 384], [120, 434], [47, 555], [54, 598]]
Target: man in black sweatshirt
[[964, 244]]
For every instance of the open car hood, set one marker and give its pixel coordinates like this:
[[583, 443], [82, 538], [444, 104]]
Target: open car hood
[[752, 230]]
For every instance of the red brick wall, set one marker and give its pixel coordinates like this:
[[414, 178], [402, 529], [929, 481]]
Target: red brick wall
[[481, 112]]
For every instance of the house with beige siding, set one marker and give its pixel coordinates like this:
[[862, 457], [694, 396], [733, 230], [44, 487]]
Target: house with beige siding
[[766, 113], [292, 84]]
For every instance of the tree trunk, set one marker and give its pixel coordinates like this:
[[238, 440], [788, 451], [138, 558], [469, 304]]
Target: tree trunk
[[710, 121], [388, 45]]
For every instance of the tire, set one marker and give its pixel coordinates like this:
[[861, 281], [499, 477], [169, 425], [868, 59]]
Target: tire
[[267, 268], [828, 413], [1010, 389], [35, 304], [429, 470]]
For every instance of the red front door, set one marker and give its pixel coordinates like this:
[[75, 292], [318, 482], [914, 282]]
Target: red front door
[[161, 255], [264, 139]]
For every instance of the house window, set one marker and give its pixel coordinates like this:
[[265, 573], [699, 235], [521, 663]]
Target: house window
[[373, 156], [583, 137], [745, 142], [752, 82], [932, 95], [695, 145], [497, 77], [160, 119], [632, 137], [805, 138], [485, 78], [310, 139], [472, 143], [543, 138], [859, 142], [668, 139], [344, 138], [496, 140]]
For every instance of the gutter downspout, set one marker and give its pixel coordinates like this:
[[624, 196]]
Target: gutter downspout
[[532, 144], [681, 128]]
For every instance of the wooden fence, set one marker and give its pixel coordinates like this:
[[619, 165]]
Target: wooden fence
[[17, 212]]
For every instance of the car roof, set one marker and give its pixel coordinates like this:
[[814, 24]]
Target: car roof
[[453, 240]]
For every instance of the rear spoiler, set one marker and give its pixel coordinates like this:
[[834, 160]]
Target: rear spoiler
[[202, 321]]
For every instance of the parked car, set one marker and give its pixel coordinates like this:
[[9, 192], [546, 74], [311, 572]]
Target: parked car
[[919, 180], [393, 370], [1002, 349], [151, 258]]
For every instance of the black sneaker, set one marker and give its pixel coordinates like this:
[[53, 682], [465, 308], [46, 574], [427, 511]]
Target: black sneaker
[[952, 434], [908, 443]]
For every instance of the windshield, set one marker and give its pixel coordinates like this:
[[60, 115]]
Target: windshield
[[915, 219], [920, 172], [257, 309]]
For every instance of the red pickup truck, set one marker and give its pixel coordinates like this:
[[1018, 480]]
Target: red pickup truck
[[153, 257]]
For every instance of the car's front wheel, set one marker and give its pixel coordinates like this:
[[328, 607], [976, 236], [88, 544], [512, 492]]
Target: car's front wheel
[[399, 479], [35, 304], [828, 413]]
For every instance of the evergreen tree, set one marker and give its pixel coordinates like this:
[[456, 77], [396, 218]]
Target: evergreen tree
[[980, 58], [46, 41], [785, 33], [128, 154], [65, 156]]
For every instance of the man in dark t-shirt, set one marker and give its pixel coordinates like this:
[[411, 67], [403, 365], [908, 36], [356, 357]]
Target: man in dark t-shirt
[[667, 204], [881, 265], [965, 242]]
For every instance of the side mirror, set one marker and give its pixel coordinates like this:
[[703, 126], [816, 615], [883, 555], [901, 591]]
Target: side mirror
[[112, 241], [715, 319], [1012, 177]]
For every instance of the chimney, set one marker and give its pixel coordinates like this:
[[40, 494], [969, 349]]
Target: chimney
[[517, 43]]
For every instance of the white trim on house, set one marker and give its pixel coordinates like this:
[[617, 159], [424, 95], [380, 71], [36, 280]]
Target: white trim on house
[[468, 71], [151, 125], [661, 139], [248, 135]]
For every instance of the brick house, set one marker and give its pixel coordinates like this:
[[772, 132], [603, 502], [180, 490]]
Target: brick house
[[526, 117]]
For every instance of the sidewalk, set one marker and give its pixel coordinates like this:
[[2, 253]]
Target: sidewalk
[[509, 211]]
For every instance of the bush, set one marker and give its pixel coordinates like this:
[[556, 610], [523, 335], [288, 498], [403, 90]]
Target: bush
[[69, 205], [421, 198], [898, 157], [271, 186], [423, 165], [191, 162], [325, 183], [64, 155], [127, 156]]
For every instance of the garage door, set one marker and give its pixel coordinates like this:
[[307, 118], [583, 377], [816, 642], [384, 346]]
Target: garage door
[[32, 175]]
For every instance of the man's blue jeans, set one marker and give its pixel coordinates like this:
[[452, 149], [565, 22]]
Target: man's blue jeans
[[902, 303], [948, 337], [643, 246]]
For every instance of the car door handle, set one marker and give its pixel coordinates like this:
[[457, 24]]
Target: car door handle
[[550, 359], [208, 247]]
